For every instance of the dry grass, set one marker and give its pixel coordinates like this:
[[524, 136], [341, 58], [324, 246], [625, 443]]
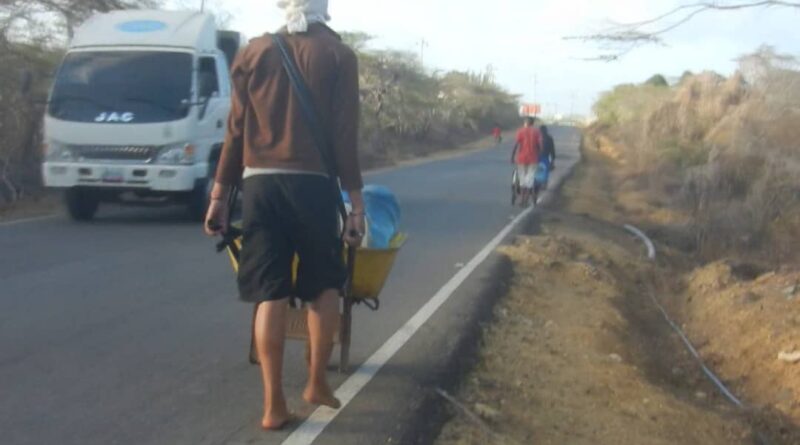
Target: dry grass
[[724, 150]]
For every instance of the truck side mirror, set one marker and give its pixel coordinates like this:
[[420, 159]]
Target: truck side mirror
[[206, 85], [25, 82], [205, 101]]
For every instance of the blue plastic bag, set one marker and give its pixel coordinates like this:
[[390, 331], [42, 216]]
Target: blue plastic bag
[[383, 215], [542, 173]]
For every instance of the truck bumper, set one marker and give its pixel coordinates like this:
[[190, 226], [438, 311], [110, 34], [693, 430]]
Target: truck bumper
[[156, 178]]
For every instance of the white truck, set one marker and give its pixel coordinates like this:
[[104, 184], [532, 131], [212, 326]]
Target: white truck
[[138, 110]]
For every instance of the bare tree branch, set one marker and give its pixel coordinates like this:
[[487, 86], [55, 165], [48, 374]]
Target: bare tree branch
[[624, 37]]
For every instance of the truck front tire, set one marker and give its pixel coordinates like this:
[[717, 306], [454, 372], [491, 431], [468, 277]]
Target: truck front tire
[[81, 204], [201, 195], [199, 199]]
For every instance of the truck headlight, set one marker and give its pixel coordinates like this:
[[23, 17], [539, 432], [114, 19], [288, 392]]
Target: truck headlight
[[177, 154], [59, 152]]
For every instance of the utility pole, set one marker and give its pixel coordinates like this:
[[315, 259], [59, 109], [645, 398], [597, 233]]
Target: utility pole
[[572, 104], [422, 44], [202, 5]]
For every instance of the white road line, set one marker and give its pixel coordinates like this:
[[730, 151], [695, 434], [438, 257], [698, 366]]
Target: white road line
[[27, 220], [306, 433]]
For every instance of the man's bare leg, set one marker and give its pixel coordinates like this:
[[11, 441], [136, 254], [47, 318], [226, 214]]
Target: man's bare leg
[[270, 332], [322, 317]]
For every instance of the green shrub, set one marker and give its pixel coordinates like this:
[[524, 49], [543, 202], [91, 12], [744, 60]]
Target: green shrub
[[402, 102], [657, 81]]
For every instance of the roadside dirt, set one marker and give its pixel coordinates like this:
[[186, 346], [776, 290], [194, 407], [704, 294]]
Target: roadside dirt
[[44, 204], [745, 321], [578, 353]]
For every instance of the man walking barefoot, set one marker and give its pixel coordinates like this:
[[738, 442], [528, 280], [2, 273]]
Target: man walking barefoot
[[289, 203]]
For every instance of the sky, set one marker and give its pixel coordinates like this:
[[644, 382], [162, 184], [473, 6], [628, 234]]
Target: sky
[[523, 40]]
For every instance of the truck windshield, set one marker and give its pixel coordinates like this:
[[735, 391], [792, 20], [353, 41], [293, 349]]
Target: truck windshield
[[122, 87]]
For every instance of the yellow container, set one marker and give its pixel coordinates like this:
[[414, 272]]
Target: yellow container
[[371, 272], [373, 267]]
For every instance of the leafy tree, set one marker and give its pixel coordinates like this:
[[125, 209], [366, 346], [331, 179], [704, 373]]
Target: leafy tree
[[401, 101], [28, 44], [627, 103], [69, 13], [657, 80], [356, 40]]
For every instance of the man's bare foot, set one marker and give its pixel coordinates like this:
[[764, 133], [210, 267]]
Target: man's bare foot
[[276, 415], [276, 421], [321, 395]]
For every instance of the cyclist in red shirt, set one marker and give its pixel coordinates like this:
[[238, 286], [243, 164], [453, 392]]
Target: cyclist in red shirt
[[526, 157]]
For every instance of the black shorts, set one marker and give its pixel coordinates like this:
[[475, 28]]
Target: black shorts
[[286, 215]]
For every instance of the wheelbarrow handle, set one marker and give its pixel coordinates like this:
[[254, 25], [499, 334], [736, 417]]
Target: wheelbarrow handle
[[351, 268]]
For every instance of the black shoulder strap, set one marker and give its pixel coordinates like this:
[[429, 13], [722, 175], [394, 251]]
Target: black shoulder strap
[[321, 138]]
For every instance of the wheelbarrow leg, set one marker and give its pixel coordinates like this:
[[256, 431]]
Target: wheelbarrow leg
[[346, 328], [345, 332]]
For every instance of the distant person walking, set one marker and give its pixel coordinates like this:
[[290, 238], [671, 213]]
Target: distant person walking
[[548, 148], [547, 163], [289, 202], [497, 133], [526, 157]]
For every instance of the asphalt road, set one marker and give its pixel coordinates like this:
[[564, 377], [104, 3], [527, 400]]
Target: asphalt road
[[127, 329]]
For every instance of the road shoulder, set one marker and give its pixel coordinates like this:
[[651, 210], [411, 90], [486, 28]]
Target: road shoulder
[[403, 405], [577, 352]]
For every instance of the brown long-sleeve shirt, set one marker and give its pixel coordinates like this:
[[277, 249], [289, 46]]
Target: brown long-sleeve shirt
[[266, 128]]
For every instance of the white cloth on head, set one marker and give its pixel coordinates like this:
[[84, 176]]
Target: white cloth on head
[[301, 13]]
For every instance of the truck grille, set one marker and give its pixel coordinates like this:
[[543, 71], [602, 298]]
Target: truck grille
[[115, 153]]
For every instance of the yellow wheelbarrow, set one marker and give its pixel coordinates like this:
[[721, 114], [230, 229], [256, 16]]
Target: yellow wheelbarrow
[[368, 270]]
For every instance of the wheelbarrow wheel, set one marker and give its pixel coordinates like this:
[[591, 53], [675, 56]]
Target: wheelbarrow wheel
[[514, 188], [200, 196]]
